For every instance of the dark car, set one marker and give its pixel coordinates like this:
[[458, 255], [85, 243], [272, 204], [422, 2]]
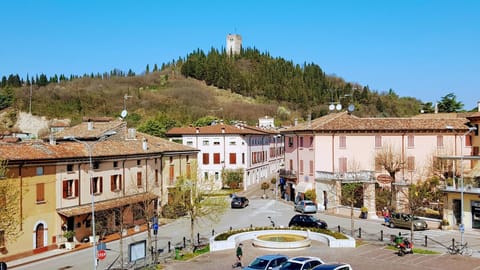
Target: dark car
[[333, 266], [302, 220], [239, 202]]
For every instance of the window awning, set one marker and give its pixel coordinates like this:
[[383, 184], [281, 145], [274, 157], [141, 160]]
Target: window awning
[[106, 205], [303, 187]]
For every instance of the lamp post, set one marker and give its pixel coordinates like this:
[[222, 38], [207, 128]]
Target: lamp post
[[90, 161], [462, 226]]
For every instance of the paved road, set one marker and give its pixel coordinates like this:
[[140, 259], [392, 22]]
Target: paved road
[[364, 257]]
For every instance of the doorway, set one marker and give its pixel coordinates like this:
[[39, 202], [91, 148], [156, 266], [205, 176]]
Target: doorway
[[457, 212], [39, 236]]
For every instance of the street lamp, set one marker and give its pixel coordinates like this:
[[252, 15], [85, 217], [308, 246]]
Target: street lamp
[[90, 146], [462, 226]]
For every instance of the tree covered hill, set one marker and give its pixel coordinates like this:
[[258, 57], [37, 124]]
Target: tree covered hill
[[199, 87]]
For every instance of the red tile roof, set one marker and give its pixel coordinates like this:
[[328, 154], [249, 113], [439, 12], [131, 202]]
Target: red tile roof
[[346, 122], [217, 129]]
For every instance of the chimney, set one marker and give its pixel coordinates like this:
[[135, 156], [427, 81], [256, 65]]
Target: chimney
[[144, 144], [436, 107], [52, 139], [295, 122], [223, 129], [309, 120], [132, 134], [90, 125], [197, 130]]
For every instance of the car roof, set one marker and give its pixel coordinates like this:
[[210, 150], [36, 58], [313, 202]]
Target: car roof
[[272, 256], [329, 266], [304, 258]]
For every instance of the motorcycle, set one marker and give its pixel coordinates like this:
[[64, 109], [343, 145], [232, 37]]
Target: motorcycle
[[405, 247]]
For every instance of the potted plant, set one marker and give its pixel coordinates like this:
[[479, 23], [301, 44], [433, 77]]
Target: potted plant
[[363, 212], [70, 243], [444, 224]]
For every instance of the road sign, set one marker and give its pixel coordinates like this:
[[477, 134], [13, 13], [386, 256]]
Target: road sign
[[101, 254], [155, 228], [462, 228]]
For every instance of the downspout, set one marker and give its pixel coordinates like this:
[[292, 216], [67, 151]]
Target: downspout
[[79, 184], [146, 175], [123, 178], [21, 196], [333, 152], [403, 156]]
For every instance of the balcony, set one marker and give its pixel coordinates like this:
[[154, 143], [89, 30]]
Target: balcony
[[352, 177]]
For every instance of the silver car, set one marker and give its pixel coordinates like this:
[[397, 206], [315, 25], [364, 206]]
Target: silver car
[[267, 262], [305, 206]]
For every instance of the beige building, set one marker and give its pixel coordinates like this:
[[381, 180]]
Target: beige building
[[118, 169]]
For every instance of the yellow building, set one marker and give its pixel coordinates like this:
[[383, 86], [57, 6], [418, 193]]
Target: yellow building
[[95, 165]]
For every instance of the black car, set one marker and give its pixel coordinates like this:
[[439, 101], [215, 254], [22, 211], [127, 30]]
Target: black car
[[239, 202], [302, 220]]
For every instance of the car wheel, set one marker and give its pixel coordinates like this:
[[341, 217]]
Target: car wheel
[[391, 225]]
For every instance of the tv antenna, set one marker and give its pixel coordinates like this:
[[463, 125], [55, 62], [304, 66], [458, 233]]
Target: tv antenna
[[124, 112]]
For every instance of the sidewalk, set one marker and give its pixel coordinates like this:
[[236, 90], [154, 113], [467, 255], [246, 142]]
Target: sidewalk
[[52, 251]]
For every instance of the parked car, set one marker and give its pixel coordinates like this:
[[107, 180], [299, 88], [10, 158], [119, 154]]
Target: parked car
[[333, 266], [402, 220], [301, 263], [305, 206], [302, 220], [267, 262], [239, 202]]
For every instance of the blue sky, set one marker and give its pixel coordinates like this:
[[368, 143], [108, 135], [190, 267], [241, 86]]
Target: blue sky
[[423, 49]]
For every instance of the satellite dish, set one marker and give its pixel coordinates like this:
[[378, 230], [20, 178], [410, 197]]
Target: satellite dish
[[338, 107], [351, 108], [123, 114], [331, 107]]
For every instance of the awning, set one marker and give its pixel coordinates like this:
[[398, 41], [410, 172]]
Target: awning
[[303, 187], [106, 205]]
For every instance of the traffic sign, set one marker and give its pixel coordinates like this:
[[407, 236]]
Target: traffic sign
[[101, 254], [462, 228]]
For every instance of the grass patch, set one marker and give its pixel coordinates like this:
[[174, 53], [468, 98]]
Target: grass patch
[[416, 250], [185, 256], [225, 235]]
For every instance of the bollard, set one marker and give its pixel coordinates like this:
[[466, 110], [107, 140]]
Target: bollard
[[426, 237], [213, 232], [338, 228], [230, 228], [251, 226], [184, 243], [381, 235], [169, 248], [198, 238], [453, 243], [399, 234], [359, 232]]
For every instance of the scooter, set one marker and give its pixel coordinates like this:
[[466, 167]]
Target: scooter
[[405, 247]]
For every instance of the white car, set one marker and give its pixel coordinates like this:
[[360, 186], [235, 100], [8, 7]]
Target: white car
[[301, 263], [305, 206], [333, 266]]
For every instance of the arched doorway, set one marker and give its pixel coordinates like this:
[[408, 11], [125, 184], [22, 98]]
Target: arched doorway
[[39, 236]]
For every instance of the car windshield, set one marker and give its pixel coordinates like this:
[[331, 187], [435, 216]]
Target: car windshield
[[309, 203], [311, 218], [258, 263], [291, 266]]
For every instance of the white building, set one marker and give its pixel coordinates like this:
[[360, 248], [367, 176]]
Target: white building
[[257, 151]]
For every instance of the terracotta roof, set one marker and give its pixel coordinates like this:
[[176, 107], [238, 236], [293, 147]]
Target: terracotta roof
[[105, 205], [346, 122], [36, 150], [96, 130], [217, 129]]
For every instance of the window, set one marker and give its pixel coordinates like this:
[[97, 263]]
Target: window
[[206, 142], [301, 166], [343, 142], [290, 141], [342, 164], [440, 141], [311, 167], [205, 175], [97, 183], [69, 168], [3, 200], [301, 141], [233, 143], [171, 174], [156, 176], [40, 192], [2, 238], [116, 182], [171, 160], [411, 141], [216, 158], [205, 158], [311, 141], [410, 163], [291, 164], [233, 158], [39, 170], [189, 171], [189, 142], [70, 188], [96, 165], [243, 158], [216, 143], [217, 176], [115, 164], [378, 141], [139, 179], [139, 162], [468, 140]]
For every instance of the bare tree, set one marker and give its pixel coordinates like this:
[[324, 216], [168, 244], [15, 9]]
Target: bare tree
[[391, 160]]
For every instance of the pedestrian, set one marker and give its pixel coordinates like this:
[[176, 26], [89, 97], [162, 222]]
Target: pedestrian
[[239, 255]]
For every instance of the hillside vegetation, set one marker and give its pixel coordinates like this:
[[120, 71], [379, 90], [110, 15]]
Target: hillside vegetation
[[242, 87]]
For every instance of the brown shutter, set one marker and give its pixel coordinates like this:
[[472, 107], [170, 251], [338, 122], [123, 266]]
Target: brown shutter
[[76, 187], [101, 184], [112, 182], [65, 188], [40, 192], [120, 181]]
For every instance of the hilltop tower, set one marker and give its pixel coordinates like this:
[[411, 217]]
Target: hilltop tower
[[234, 43]]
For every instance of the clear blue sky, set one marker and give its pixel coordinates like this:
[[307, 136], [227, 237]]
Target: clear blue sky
[[419, 48]]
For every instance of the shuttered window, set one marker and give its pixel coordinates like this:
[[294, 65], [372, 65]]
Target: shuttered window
[[40, 192]]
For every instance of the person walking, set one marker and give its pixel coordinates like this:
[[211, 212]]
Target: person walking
[[239, 254]]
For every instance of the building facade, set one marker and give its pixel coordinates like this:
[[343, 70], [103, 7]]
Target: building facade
[[120, 175]]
